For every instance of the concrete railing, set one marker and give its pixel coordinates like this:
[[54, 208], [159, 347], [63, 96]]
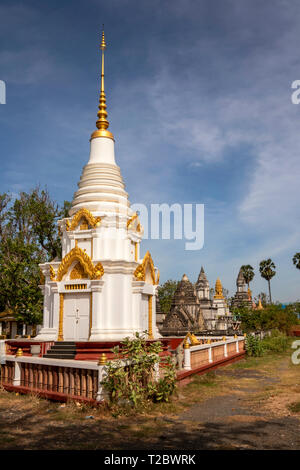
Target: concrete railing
[[205, 354], [53, 378]]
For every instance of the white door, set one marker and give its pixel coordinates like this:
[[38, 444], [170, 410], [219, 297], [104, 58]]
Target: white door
[[76, 317]]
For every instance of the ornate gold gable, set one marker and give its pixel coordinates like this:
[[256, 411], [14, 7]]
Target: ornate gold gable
[[134, 226], [87, 266], [88, 217], [140, 272]]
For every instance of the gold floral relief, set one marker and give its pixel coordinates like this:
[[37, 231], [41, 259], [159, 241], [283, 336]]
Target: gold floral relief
[[78, 272]]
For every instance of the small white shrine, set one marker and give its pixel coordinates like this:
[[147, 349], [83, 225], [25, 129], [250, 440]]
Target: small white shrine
[[101, 290]]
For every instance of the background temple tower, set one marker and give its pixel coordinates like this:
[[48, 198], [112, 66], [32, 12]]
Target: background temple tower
[[101, 289], [202, 286], [241, 298], [185, 314]]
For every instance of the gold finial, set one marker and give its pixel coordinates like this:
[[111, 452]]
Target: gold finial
[[102, 360], [19, 352], [218, 290], [102, 122], [259, 307]]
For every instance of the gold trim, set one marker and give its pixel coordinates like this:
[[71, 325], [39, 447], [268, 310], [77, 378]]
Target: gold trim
[[129, 222], [140, 272], [150, 332], [42, 279], [157, 277], [136, 251], [94, 272], [82, 213], [61, 318], [52, 273], [75, 286]]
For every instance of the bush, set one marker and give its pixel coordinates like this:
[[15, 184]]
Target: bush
[[254, 346], [277, 342], [271, 317], [130, 380]]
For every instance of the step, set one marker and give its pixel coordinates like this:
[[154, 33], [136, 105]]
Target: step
[[70, 343], [62, 352], [64, 346], [60, 356]]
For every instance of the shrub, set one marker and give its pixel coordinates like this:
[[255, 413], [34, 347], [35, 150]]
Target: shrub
[[254, 346], [130, 379], [277, 342]]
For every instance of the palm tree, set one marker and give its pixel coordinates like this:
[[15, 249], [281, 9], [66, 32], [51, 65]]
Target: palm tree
[[248, 273], [266, 269], [296, 260]]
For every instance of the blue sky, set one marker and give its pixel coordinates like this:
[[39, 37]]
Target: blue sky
[[199, 101]]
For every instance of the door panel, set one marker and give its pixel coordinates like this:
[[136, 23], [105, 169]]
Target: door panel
[[76, 317]]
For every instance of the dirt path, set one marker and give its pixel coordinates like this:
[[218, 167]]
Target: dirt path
[[243, 406]]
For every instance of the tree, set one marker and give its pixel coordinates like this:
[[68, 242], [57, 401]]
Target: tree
[[267, 271], [29, 236], [296, 260], [248, 273], [166, 293]]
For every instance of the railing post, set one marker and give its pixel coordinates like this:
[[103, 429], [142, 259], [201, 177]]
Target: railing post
[[187, 356], [225, 347], [17, 374], [101, 393]]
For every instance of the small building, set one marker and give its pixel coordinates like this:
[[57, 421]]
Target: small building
[[10, 328]]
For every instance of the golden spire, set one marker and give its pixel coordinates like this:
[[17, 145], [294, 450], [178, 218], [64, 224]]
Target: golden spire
[[102, 123], [218, 290], [259, 307]]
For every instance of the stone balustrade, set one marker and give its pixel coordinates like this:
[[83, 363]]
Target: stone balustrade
[[212, 350], [53, 378]]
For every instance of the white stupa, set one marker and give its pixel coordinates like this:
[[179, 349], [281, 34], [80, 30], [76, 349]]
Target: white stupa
[[101, 289]]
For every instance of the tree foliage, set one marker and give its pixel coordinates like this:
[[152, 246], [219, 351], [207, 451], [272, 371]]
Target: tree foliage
[[29, 236], [296, 260], [248, 273], [270, 318], [166, 293], [267, 271]]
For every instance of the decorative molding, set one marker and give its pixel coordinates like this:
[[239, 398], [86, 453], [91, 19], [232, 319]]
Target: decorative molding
[[140, 272], [42, 279], [130, 223], [52, 273], [82, 214], [93, 272]]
